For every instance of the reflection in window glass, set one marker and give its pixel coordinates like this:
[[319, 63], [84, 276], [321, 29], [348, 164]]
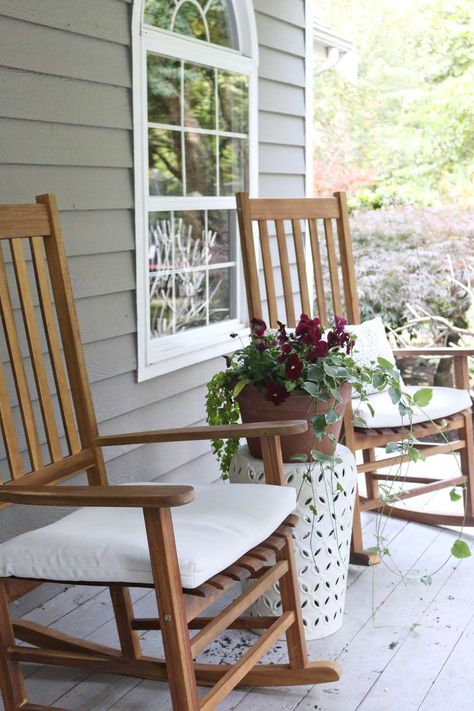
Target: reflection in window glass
[[190, 21], [158, 13], [165, 162], [233, 92], [164, 90], [189, 284], [199, 96], [233, 165], [222, 234], [190, 239], [212, 21], [220, 23], [201, 163], [219, 295]]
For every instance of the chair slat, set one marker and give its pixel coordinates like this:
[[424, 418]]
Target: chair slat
[[23, 221], [16, 358], [10, 438], [268, 272], [294, 208], [36, 351], [62, 390], [285, 273], [318, 272], [347, 261], [301, 265], [333, 267]]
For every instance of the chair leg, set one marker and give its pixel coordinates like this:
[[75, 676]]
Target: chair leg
[[290, 601], [123, 611], [368, 455], [358, 555], [11, 677], [169, 595], [467, 463]]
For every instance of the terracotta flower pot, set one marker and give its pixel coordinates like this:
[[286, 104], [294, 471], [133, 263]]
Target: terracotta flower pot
[[254, 407]]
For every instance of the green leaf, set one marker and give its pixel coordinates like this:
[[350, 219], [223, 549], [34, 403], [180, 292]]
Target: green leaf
[[240, 386], [454, 496], [414, 454], [393, 447], [426, 579], [460, 549], [331, 416], [385, 363], [378, 381], [395, 395], [330, 370], [359, 421], [311, 388], [299, 458], [370, 409], [318, 424], [423, 397]]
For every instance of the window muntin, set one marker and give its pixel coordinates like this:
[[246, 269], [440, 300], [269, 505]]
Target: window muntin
[[206, 20]]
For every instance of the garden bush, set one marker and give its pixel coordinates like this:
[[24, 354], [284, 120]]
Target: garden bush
[[418, 256]]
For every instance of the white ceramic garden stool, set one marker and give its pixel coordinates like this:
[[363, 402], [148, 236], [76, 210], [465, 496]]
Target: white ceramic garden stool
[[322, 541]]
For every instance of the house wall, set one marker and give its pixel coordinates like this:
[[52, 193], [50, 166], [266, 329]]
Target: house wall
[[66, 127]]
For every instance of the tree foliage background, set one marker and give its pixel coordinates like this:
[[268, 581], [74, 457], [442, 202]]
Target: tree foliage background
[[404, 133]]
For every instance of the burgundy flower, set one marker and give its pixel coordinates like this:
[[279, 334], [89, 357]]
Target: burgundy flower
[[340, 322], [282, 336], [294, 366], [276, 393], [308, 330], [258, 327], [261, 346], [285, 350], [318, 351]]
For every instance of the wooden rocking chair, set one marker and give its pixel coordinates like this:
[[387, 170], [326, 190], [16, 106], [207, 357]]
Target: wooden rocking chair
[[117, 545], [450, 409]]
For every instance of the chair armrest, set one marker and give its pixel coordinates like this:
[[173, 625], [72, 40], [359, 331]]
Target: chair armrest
[[433, 352], [253, 429], [150, 497]]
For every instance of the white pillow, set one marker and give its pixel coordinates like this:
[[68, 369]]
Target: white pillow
[[371, 343]]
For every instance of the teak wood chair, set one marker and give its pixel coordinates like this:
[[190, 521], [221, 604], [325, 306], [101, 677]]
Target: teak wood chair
[[325, 223], [125, 536]]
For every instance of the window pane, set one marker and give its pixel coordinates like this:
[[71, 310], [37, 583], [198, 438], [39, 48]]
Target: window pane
[[191, 301], [165, 162], [160, 241], [233, 165], [189, 21], [219, 294], [199, 96], [158, 13], [233, 90], [200, 164], [221, 25], [161, 304], [164, 90], [222, 235], [190, 239]]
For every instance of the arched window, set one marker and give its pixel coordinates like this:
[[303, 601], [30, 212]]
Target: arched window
[[195, 146]]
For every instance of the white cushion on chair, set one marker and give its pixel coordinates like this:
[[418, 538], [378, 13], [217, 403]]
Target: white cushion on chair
[[445, 401], [371, 343], [109, 545]]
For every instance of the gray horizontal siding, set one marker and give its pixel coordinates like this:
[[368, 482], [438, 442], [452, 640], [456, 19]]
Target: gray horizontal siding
[[66, 127]]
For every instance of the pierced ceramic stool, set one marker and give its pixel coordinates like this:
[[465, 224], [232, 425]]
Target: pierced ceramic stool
[[322, 542]]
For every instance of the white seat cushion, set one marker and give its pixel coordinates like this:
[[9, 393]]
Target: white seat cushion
[[371, 343], [109, 545], [445, 401]]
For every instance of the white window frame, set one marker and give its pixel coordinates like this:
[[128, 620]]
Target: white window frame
[[157, 356]]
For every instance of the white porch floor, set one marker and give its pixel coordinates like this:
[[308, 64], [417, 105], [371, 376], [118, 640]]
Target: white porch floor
[[416, 654]]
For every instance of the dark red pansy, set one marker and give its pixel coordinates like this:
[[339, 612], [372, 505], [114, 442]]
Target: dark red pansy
[[261, 346], [340, 322], [294, 367], [308, 330], [320, 350], [282, 335], [258, 327], [276, 393], [285, 350]]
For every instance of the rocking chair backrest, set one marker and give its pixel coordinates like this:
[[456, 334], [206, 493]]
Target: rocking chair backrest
[[292, 220], [46, 412]]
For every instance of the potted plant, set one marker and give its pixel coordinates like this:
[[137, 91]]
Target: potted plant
[[307, 373]]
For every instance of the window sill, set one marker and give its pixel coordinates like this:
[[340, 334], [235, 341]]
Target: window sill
[[191, 350]]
